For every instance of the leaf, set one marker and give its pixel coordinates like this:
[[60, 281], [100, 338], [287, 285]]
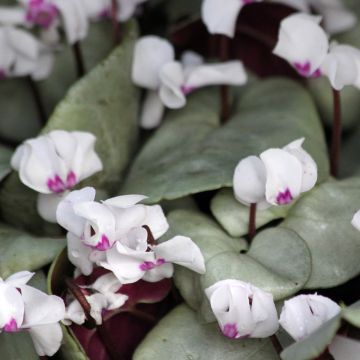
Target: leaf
[[189, 154], [17, 346], [314, 345], [5, 156], [22, 251], [181, 336], [322, 218], [352, 314], [349, 163], [234, 216], [264, 265], [104, 102]]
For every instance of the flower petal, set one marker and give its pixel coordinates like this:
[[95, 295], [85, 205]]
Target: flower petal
[[11, 308], [152, 111], [150, 55], [356, 220], [343, 348], [309, 167], [19, 278], [220, 17], [228, 73], [46, 338], [125, 201], [249, 182], [172, 79], [127, 9], [183, 251], [47, 205], [79, 254], [284, 176], [164, 271], [302, 42], [155, 219], [74, 314], [12, 15]]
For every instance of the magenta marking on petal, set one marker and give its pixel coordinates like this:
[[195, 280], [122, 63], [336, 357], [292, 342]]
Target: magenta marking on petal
[[247, 2], [41, 13], [55, 184], [160, 262], [103, 245], [317, 73], [230, 331], [284, 198], [105, 14], [303, 68], [70, 180], [11, 326], [186, 90]]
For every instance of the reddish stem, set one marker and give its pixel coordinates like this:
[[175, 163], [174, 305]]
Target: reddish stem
[[115, 23], [224, 89], [79, 60], [336, 135], [252, 221], [276, 344], [150, 237]]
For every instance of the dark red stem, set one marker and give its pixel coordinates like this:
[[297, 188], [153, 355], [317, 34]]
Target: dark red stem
[[252, 221], [224, 89], [38, 100], [276, 344], [336, 135], [79, 60], [115, 23], [150, 237]]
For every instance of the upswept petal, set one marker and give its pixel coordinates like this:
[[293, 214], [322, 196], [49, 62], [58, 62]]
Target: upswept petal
[[302, 42], [356, 220], [152, 111], [284, 176], [65, 214], [74, 314], [164, 271], [309, 167], [220, 16], [79, 254], [156, 220], [249, 182], [183, 251], [227, 73], [12, 15], [127, 9], [125, 201], [46, 338], [172, 81], [47, 205], [150, 55]]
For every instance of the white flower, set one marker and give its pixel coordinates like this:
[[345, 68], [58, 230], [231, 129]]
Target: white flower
[[133, 259], [53, 163], [276, 177], [220, 16], [356, 220], [303, 43], [303, 314], [242, 310], [101, 295], [22, 54], [169, 82], [24, 307], [342, 66]]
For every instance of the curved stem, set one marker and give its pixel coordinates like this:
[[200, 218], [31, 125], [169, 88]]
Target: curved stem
[[224, 89], [115, 23], [336, 134], [79, 60], [150, 237], [252, 221], [276, 344]]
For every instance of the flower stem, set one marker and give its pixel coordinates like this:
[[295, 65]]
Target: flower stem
[[79, 59], [336, 134], [38, 100], [252, 221], [224, 89], [276, 344], [150, 237], [115, 23]]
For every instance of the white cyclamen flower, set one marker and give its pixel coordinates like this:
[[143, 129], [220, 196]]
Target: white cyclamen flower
[[303, 314], [24, 307], [132, 258], [95, 227], [101, 295], [22, 54], [220, 16], [53, 163], [303, 43], [276, 177], [242, 310], [169, 82], [356, 220]]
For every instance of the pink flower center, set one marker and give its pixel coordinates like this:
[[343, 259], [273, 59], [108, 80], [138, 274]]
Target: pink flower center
[[149, 265], [11, 326], [304, 69], [284, 198], [186, 90], [57, 185], [103, 245], [230, 331], [41, 13]]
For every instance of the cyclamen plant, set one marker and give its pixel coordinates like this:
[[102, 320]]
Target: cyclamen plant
[[243, 246]]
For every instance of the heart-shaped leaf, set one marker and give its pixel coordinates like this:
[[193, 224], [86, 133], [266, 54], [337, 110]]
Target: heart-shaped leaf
[[264, 265], [234, 216], [322, 218], [190, 154], [349, 164], [180, 336], [22, 251], [105, 103]]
